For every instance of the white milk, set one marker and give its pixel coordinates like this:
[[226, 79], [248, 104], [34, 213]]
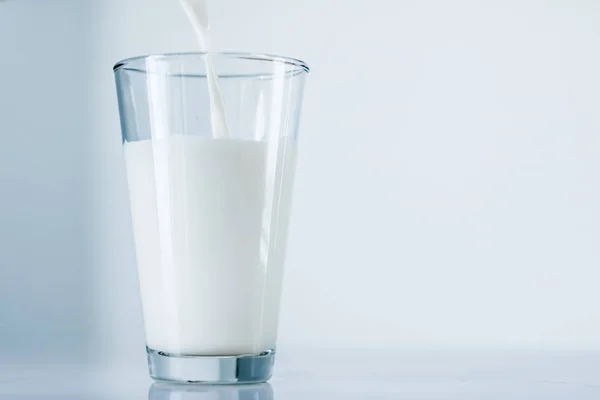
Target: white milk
[[210, 220]]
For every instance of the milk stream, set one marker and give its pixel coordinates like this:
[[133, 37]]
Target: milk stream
[[198, 15]]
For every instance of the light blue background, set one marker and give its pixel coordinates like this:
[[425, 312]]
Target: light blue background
[[45, 281], [447, 189]]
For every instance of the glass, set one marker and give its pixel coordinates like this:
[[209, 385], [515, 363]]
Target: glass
[[210, 208]]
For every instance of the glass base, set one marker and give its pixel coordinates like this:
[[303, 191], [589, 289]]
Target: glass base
[[213, 370]]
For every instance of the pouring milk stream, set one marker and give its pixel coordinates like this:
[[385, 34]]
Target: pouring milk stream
[[198, 15]]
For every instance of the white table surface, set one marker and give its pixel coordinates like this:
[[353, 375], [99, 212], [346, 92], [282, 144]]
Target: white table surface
[[337, 375]]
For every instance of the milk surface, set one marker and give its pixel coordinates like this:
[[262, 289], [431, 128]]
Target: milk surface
[[210, 220]]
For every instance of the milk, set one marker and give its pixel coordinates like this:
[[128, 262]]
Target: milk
[[198, 17], [210, 221]]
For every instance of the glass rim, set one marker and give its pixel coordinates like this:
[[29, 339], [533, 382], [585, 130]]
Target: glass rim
[[269, 58]]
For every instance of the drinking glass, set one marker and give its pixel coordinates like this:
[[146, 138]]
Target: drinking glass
[[210, 205]]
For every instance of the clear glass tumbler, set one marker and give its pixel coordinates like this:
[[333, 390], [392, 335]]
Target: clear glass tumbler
[[210, 204]]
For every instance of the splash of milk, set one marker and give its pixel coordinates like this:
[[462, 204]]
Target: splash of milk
[[198, 16]]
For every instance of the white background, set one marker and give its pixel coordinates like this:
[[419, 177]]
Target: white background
[[447, 190]]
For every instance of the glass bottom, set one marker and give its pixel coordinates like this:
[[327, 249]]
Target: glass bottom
[[210, 370]]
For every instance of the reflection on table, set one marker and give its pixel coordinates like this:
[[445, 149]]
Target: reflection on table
[[166, 391]]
